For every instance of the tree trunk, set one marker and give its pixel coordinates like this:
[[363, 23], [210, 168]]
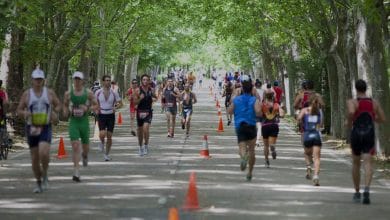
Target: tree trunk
[[16, 76], [379, 78], [102, 46], [120, 69], [134, 67], [266, 60], [333, 93]]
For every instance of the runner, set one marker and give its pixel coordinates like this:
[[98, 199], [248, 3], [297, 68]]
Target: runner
[[311, 120], [144, 96], [278, 92], [189, 98], [245, 108], [191, 79], [109, 101], [260, 96], [39, 106], [270, 125], [133, 108], [228, 89], [171, 96], [362, 112], [77, 102]]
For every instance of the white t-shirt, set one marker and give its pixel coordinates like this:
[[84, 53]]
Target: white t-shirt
[[107, 105]]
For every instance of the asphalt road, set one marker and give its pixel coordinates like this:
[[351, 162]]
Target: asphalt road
[[133, 187]]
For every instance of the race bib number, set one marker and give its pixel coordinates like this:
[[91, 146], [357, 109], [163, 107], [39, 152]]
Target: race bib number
[[78, 112], [169, 104], [35, 130], [143, 114]]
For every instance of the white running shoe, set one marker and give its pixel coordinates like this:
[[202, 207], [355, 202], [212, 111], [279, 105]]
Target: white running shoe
[[101, 147], [146, 149], [141, 151], [106, 157]]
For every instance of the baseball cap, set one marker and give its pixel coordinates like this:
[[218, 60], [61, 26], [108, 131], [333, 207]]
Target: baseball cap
[[38, 74], [78, 74]]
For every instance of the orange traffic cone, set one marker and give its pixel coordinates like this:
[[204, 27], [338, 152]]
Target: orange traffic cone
[[120, 118], [61, 149], [205, 151], [173, 214], [217, 104], [219, 111], [220, 125], [191, 202]]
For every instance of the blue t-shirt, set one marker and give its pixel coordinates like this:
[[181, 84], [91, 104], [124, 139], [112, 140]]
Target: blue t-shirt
[[244, 110]]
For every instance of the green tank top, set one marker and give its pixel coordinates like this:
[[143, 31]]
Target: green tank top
[[76, 101]]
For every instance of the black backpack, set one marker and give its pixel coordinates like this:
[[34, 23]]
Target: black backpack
[[363, 126]]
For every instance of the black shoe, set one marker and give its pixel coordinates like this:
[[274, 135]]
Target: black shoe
[[133, 133], [366, 198], [267, 163], [244, 162], [248, 177], [76, 179], [183, 126], [356, 197], [273, 152], [229, 122]]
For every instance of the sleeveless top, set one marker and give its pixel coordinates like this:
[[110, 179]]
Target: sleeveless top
[[364, 105], [270, 114], [244, 110], [170, 99], [107, 105], [187, 104], [39, 107], [75, 101], [310, 122], [146, 102]]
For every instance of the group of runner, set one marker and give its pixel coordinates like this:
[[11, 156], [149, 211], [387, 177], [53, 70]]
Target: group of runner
[[257, 108]]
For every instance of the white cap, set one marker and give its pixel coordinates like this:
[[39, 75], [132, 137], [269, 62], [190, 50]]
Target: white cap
[[38, 74], [78, 74]]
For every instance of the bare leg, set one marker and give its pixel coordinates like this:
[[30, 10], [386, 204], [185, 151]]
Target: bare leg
[[44, 155], [35, 164], [109, 142], [146, 133], [367, 164], [317, 157], [76, 156], [356, 172], [252, 157]]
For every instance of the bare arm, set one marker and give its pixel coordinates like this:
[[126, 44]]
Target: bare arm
[[194, 98], [93, 102], [301, 114], [65, 107], [379, 113], [230, 109], [21, 109], [351, 108], [258, 111], [297, 101]]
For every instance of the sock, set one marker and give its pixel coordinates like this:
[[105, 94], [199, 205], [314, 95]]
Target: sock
[[76, 172]]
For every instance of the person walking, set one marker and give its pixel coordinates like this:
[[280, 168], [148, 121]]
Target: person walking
[[188, 100], [39, 106], [144, 97], [133, 107], [171, 95], [311, 119], [108, 102], [270, 125], [245, 108], [77, 103], [362, 112]]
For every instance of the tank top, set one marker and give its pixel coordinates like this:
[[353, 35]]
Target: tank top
[[270, 113], [364, 105], [76, 101], [170, 99], [187, 104], [39, 107], [146, 102], [244, 110], [310, 122]]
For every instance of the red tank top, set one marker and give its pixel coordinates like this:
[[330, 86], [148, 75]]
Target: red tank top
[[365, 105]]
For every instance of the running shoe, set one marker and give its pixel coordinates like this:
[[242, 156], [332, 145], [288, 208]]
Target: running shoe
[[141, 151], [101, 147], [76, 179], [357, 197], [267, 163], [229, 122], [106, 157], [248, 177], [366, 198], [133, 133], [244, 162], [316, 180], [38, 189], [45, 183], [308, 173], [169, 135], [146, 150], [85, 161], [273, 152], [183, 126]]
